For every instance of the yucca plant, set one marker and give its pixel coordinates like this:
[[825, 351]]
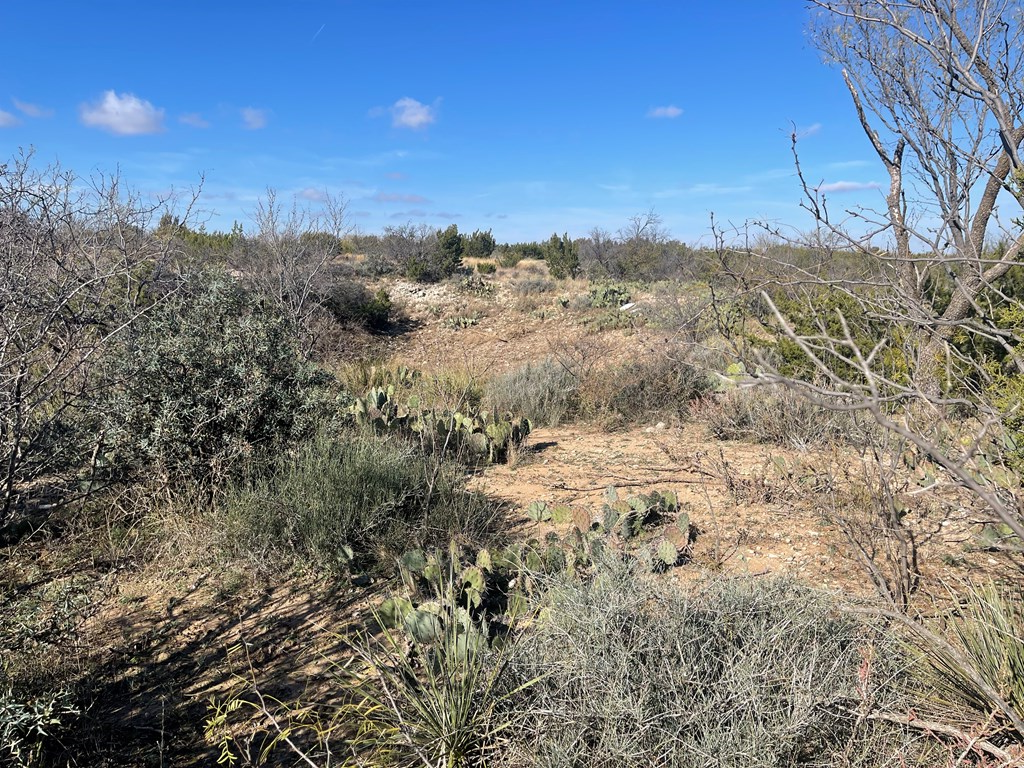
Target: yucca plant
[[981, 664], [434, 698]]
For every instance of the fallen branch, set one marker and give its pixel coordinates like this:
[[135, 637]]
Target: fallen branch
[[631, 483], [948, 730]]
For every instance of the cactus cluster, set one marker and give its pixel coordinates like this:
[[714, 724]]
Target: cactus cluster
[[541, 512], [470, 594], [461, 322], [627, 519], [482, 436], [612, 295], [455, 591], [632, 516], [477, 285]]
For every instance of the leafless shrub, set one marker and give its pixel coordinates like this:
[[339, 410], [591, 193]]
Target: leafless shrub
[[289, 258]]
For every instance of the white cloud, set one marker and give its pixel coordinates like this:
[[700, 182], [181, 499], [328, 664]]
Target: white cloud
[[32, 110], [409, 113], [194, 119], [7, 120], [123, 114], [254, 119], [671, 111], [848, 186], [312, 194]]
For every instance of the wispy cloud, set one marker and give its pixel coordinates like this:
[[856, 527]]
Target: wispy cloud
[[771, 174], [848, 186], [841, 164], [447, 216], [702, 190], [31, 110], [194, 119], [671, 111], [811, 130], [7, 120], [394, 197], [409, 113], [415, 213], [615, 187], [396, 175], [312, 194], [253, 119], [123, 114]]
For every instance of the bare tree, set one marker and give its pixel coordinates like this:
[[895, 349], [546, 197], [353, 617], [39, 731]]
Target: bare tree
[[77, 265], [920, 324], [938, 88], [598, 253], [289, 256], [411, 250], [641, 249], [644, 246]]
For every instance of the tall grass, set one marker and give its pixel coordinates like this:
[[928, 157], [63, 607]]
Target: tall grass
[[980, 666], [545, 392]]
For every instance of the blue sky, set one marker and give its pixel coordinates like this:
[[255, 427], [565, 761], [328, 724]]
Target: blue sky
[[525, 117]]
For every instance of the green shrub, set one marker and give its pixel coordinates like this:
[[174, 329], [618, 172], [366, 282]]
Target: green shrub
[[207, 380], [486, 267], [480, 244], [351, 302], [508, 256], [28, 726], [1006, 394], [353, 501], [735, 673], [545, 393], [831, 313], [451, 245], [562, 257]]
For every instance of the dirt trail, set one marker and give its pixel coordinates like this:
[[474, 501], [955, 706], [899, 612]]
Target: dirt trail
[[754, 527]]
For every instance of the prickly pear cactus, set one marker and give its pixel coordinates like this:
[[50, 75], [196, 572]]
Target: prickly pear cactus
[[667, 553]]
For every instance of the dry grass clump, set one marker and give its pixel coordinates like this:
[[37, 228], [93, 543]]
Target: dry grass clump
[[546, 393], [774, 415], [656, 384], [735, 672]]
